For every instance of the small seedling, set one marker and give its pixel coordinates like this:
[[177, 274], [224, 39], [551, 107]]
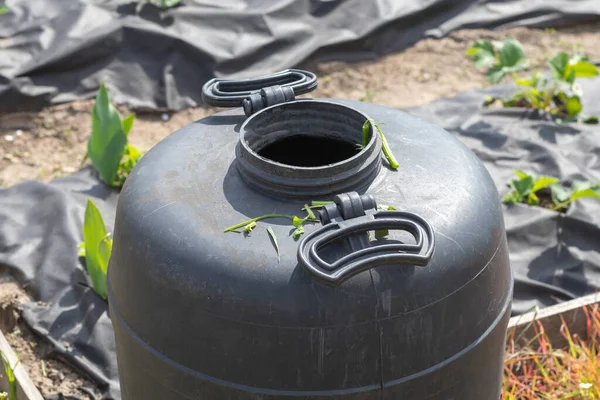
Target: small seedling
[[111, 154], [96, 248], [548, 192], [557, 94], [502, 58], [9, 371], [367, 97], [385, 147], [164, 4]]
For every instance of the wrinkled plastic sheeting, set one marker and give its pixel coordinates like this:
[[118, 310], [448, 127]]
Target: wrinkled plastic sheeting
[[60, 50], [555, 257]]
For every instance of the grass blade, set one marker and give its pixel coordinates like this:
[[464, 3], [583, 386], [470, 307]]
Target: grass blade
[[274, 241]]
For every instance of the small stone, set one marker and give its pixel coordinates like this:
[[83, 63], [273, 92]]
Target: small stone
[[19, 132], [9, 138], [68, 170], [164, 117]]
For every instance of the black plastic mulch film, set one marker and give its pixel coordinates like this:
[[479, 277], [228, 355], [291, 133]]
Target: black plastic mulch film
[[60, 50], [554, 257]]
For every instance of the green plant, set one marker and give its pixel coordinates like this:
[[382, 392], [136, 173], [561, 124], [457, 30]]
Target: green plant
[[96, 248], [9, 371], [164, 4], [547, 191], [385, 147], [4, 9], [502, 58], [557, 94], [108, 149], [248, 226]]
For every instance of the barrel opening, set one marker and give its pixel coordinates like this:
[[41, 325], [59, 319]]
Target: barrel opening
[[307, 134]]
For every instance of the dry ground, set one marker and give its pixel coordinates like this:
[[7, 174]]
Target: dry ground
[[51, 143]]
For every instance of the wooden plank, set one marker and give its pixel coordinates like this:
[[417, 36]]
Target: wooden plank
[[571, 311], [26, 390]]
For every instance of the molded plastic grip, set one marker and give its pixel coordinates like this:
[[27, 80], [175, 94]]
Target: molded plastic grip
[[368, 256], [256, 93]]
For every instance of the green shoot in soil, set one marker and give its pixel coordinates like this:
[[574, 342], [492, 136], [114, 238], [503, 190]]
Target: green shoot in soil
[[387, 152], [164, 4], [108, 148], [96, 248], [548, 192], [10, 377], [557, 95]]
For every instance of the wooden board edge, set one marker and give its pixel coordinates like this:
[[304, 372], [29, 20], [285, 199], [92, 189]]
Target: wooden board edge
[[551, 319], [26, 390]]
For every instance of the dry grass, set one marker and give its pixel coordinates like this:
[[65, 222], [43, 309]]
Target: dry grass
[[538, 371]]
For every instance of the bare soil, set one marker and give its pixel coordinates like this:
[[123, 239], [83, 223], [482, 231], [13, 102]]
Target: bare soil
[[50, 376], [51, 143]]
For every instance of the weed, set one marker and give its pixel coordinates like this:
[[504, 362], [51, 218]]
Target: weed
[[164, 4], [367, 97], [96, 248], [10, 376], [385, 147], [538, 371], [111, 154], [548, 192], [557, 95], [298, 223]]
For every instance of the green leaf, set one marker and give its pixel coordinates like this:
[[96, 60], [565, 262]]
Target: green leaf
[[511, 52], [310, 212], [385, 147], [298, 232], [365, 133], [513, 197], [559, 64], [81, 247], [483, 53], [560, 194], [579, 194], [532, 199], [521, 174], [4, 9], [248, 228], [97, 254], [297, 222], [523, 186], [543, 182], [108, 140], [573, 105], [381, 234], [273, 240], [128, 123], [320, 203], [592, 119], [584, 69], [495, 74]]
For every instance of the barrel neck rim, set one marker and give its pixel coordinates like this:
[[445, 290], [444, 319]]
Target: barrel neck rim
[[351, 174]]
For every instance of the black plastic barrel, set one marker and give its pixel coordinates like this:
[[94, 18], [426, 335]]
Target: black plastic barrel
[[338, 314]]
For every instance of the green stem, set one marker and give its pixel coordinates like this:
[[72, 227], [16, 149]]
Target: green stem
[[560, 205], [318, 204], [386, 150], [242, 224]]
